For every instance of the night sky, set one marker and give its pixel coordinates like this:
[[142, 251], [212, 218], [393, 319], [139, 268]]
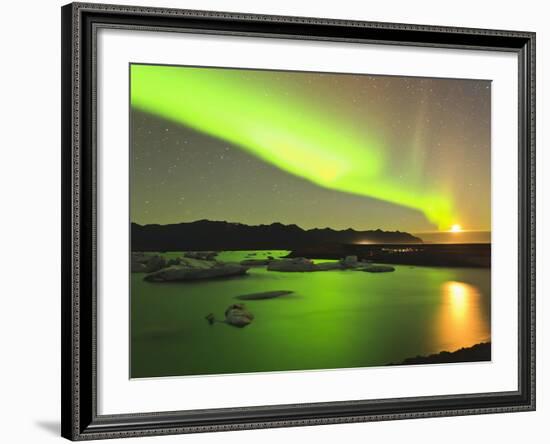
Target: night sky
[[312, 149]]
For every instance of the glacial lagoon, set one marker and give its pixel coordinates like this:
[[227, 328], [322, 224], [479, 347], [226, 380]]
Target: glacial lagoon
[[332, 319]]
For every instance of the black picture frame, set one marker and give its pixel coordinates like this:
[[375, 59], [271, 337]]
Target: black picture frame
[[80, 420]]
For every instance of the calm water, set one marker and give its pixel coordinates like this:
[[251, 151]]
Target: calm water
[[334, 319]]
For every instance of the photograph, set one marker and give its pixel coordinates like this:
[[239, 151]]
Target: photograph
[[296, 220]]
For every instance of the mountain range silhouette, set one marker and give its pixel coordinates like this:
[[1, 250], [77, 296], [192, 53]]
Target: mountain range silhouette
[[222, 235]]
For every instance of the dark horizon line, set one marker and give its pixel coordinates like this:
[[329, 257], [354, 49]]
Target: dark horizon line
[[308, 229]]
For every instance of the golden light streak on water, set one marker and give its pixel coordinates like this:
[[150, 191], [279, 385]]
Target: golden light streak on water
[[460, 323]]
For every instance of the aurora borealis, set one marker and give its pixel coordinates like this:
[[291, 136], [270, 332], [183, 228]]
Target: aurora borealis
[[314, 149]]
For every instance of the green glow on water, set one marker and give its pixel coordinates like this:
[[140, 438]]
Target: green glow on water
[[316, 144], [336, 319]]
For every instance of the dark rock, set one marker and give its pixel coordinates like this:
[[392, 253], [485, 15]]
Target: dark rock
[[294, 264], [254, 262], [264, 295], [173, 261], [202, 255], [238, 315], [137, 267], [196, 269], [303, 264], [327, 266], [377, 268], [349, 262], [146, 263]]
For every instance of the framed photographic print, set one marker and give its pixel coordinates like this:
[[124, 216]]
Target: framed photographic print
[[280, 221]]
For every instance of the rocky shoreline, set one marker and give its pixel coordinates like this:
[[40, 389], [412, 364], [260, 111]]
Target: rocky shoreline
[[433, 255], [475, 353]]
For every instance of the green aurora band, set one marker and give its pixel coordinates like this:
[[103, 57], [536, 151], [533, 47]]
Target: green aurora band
[[285, 131]]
